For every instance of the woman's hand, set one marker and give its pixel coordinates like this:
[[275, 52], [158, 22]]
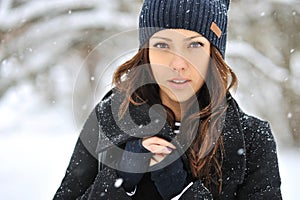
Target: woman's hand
[[159, 147]]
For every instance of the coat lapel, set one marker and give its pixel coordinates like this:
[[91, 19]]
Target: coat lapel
[[141, 121], [234, 163]]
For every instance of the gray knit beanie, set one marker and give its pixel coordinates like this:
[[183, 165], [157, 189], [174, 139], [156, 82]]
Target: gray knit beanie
[[207, 17]]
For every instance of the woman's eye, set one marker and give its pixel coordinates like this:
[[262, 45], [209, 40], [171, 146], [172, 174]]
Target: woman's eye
[[196, 44], [161, 45]]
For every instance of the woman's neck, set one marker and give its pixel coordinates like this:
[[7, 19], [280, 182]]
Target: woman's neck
[[176, 107]]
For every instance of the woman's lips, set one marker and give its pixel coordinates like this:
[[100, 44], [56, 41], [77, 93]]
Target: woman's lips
[[179, 83]]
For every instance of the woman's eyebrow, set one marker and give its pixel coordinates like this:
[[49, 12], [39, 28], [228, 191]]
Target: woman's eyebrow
[[170, 40], [163, 38], [190, 38]]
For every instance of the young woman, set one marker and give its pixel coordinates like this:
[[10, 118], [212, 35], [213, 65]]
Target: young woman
[[170, 128]]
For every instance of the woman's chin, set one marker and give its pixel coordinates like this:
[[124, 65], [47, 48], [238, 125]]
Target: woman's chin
[[182, 97]]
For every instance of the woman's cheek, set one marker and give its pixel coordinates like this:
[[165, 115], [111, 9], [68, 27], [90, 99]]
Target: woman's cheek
[[157, 72]]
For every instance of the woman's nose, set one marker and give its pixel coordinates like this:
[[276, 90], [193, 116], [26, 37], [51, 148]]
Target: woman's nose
[[178, 63]]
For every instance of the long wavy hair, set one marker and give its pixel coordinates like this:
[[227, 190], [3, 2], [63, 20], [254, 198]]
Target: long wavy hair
[[205, 154]]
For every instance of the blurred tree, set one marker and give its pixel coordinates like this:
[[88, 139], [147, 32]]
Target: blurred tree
[[264, 38], [46, 43]]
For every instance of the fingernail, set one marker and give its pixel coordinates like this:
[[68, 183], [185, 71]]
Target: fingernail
[[169, 149]]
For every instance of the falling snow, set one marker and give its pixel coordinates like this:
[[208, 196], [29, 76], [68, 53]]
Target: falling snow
[[118, 183], [38, 131]]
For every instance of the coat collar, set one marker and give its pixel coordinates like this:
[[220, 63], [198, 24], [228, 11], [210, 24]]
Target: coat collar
[[234, 163], [137, 123], [141, 121]]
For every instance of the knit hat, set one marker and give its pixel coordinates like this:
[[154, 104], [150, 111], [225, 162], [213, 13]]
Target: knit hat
[[207, 17]]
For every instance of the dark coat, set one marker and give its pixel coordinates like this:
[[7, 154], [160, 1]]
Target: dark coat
[[250, 166]]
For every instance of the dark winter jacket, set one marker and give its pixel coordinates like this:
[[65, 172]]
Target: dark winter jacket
[[250, 166]]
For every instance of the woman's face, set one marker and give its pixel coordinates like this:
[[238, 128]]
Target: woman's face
[[179, 61]]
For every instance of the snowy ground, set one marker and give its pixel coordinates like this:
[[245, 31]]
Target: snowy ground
[[36, 142]]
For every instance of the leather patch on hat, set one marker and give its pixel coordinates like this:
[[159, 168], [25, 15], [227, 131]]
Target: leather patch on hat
[[215, 28]]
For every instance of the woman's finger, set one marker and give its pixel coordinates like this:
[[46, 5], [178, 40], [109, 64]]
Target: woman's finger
[[158, 149], [157, 141], [156, 158]]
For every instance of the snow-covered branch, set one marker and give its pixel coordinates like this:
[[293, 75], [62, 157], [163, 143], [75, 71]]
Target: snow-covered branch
[[35, 62], [15, 17], [261, 62]]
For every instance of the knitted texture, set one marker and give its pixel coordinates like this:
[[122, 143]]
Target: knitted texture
[[207, 17]]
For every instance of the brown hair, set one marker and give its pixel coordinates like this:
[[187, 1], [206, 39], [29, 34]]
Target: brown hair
[[206, 150]]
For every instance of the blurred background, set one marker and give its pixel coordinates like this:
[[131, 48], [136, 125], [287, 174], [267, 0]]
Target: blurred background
[[55, 64]]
